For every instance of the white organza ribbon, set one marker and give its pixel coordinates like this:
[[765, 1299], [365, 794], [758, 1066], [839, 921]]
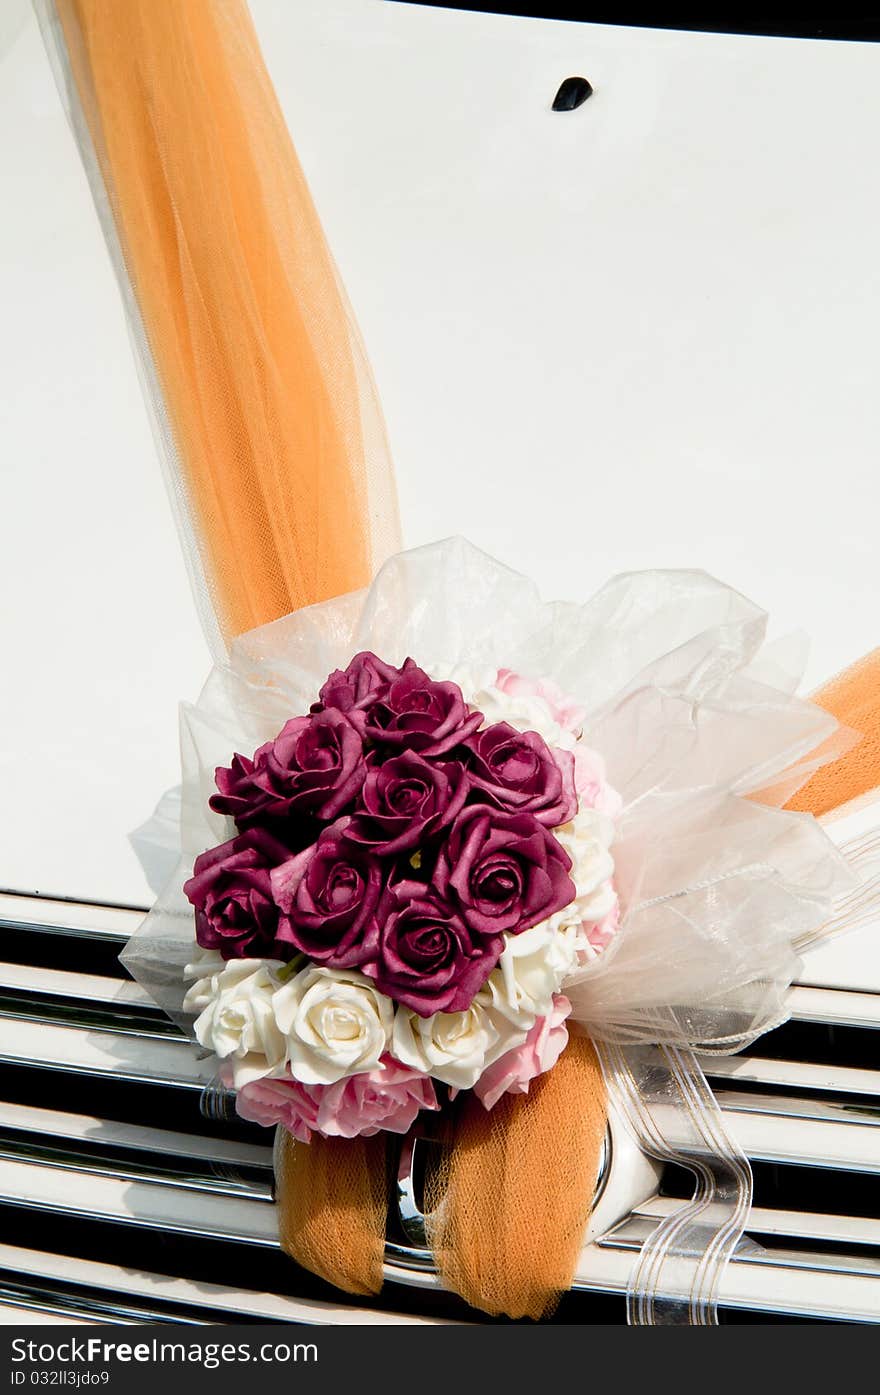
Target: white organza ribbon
[[691, 713]]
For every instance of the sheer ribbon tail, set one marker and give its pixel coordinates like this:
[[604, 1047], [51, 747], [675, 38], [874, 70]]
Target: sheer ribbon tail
[[666, 1102]]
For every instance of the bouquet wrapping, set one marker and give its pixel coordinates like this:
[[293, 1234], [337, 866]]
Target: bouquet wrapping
[[429, 831]]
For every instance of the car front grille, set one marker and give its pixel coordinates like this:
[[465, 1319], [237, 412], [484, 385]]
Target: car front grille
[[123, 1202]]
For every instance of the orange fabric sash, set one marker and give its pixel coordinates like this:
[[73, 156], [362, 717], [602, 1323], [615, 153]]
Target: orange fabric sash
[[853, 697], [278, 457]]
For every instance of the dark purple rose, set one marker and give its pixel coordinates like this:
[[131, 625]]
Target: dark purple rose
[[517, 771], [331, 896], [503, 872], [420, 715], [406, 799], [231, 890], [358, 686], [314, 766], [428, 958]]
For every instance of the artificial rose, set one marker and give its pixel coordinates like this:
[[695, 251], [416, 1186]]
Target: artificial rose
[[238, 1023], [336, 1022], [563, 709], [517, 771], [587, 838], [428, 959], [406, 799], [533, 966], [330, 896], [591, 782], [280, 1100], [455, 1047], [204, 969], [419, 714], [387, 1098], [315, 766], [232, 895], [518, 702], [358, 686], [513, 1072], [504, 872], [602, 933]]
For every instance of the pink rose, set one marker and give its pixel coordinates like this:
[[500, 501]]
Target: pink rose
[[513, 1072], [388, 1097], [590, 782], [602, 933], [280, 1100], [564, 709], [593, 789]]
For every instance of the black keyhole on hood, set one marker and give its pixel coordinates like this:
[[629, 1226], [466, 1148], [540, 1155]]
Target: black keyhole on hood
[[573, 92]]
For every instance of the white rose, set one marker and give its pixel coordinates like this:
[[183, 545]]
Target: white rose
[[206, 965], [455, 1047], [471, 678], [238, 1022], [336, 1022], [532, 967], [526, 711], [586, 839]]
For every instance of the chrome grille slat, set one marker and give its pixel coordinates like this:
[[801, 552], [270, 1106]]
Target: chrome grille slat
[[131, 1153], [85, 988], [820, 1294], [170, 1173], [792, 1075], [48, 1300], [46, 916], [73, 1192], [827, 1135], [172, 1063], [18, 1309], [251, 1223], [633, 1233], [80, 1128], [837, 1007], [846, 1230], [37, 1269]]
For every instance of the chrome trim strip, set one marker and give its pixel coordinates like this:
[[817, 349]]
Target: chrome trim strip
[[39, 1269], [760, 1070], [60, 983], [110, 1133], [804, 1225], [145, 1204], [52, 916], [861, 1116], [136, 1060], [837, 1007]]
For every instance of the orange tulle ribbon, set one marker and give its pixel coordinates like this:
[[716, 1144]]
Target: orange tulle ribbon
[[509, 1196], [332, 1208], [853, 697], [276, 447]]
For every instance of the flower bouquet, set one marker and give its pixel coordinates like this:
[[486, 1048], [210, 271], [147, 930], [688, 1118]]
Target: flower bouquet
[[412, 877], [439, 838]]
